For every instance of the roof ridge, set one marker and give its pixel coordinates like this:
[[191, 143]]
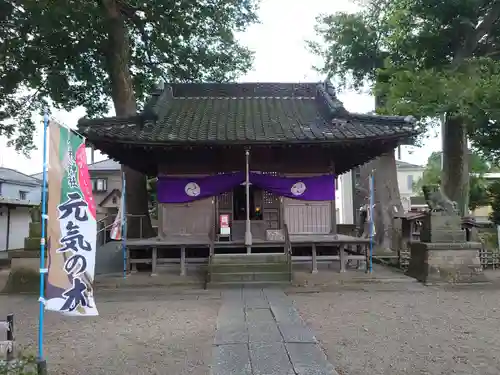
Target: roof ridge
[[21, 173], [243, 97]]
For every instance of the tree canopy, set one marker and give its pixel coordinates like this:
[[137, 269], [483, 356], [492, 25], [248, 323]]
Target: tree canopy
[[90, 53], [59, 52], [414, 53], [427, 59]]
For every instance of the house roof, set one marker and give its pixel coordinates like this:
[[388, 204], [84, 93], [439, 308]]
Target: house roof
[[16, 177], [114, 192], [103, 165], [246, 113], [404, 165]]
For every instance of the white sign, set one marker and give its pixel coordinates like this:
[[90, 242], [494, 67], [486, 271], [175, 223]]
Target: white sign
[[225, 230]]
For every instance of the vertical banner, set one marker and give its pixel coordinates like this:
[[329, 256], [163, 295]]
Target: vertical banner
[[117, 227], [72, 226]]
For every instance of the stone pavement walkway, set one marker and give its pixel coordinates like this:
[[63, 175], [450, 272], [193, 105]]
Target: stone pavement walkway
[[259, 332]]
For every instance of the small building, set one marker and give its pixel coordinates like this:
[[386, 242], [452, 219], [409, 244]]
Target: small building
[[16, 185], [408, 175], [261, 137], [18, 193]]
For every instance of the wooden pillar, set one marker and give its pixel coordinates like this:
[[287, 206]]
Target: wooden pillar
[[183, 261], [333, 206], [314, 260], [161, 232], [342, 258], [282, 213], [154, 259]]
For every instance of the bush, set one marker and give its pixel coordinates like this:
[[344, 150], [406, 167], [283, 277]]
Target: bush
[[23, 365], [489, 239]]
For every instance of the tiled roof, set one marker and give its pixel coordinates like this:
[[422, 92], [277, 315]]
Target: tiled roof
[[13, 176], [245, 113]]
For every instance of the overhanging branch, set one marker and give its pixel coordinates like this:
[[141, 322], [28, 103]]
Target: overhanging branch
[[472, 40]]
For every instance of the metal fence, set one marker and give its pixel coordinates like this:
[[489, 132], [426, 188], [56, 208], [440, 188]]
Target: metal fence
[[489, 258]]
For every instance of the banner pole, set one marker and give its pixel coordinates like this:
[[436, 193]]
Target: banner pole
[[124, 226], [43, 270]]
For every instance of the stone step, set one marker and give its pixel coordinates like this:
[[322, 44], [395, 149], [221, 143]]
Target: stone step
[[249, 276], [246, 284], [249, 258], [248, 267]]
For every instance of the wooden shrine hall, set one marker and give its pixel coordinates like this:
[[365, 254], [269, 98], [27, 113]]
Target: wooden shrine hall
[[247, 166]]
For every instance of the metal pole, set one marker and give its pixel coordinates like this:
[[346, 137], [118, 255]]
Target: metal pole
[[248, 227], [43, 271], [372, 188], [124, 226]]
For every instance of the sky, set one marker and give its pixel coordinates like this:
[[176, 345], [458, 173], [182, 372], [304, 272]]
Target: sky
[[280, 56]]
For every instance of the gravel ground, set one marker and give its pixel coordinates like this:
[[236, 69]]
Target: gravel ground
[[428, 332], [170, 334]]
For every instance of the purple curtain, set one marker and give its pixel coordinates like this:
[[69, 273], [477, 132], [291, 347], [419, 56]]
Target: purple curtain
[[317, 188], [186, 189]]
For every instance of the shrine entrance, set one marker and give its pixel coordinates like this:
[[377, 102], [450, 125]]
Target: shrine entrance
[[239, 203]]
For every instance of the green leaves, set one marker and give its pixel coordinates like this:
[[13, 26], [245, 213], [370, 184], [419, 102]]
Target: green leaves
[[422, 58], [349, 48], [478, 193], [56, 50], [494, 194]]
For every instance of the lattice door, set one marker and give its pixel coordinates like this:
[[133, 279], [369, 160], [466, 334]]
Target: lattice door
[[225, 205], [271, 210]]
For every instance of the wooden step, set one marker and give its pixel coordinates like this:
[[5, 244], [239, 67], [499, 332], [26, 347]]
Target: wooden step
[[250, 276], [248, 267], [249, 258], [248, 284]]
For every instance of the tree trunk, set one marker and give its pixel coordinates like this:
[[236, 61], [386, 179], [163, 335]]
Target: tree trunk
[[118, 55], [455, 173], [386, 195], [386, 190]]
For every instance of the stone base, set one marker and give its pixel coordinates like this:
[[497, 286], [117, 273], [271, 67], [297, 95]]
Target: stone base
[[24, 276], [446, 263]]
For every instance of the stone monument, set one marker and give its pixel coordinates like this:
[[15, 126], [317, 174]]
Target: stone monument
[[443, 254]]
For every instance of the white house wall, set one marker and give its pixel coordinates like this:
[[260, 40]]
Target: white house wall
[[12, 191], [18, 227], [3, 228], [405, 176], [345, 200]]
